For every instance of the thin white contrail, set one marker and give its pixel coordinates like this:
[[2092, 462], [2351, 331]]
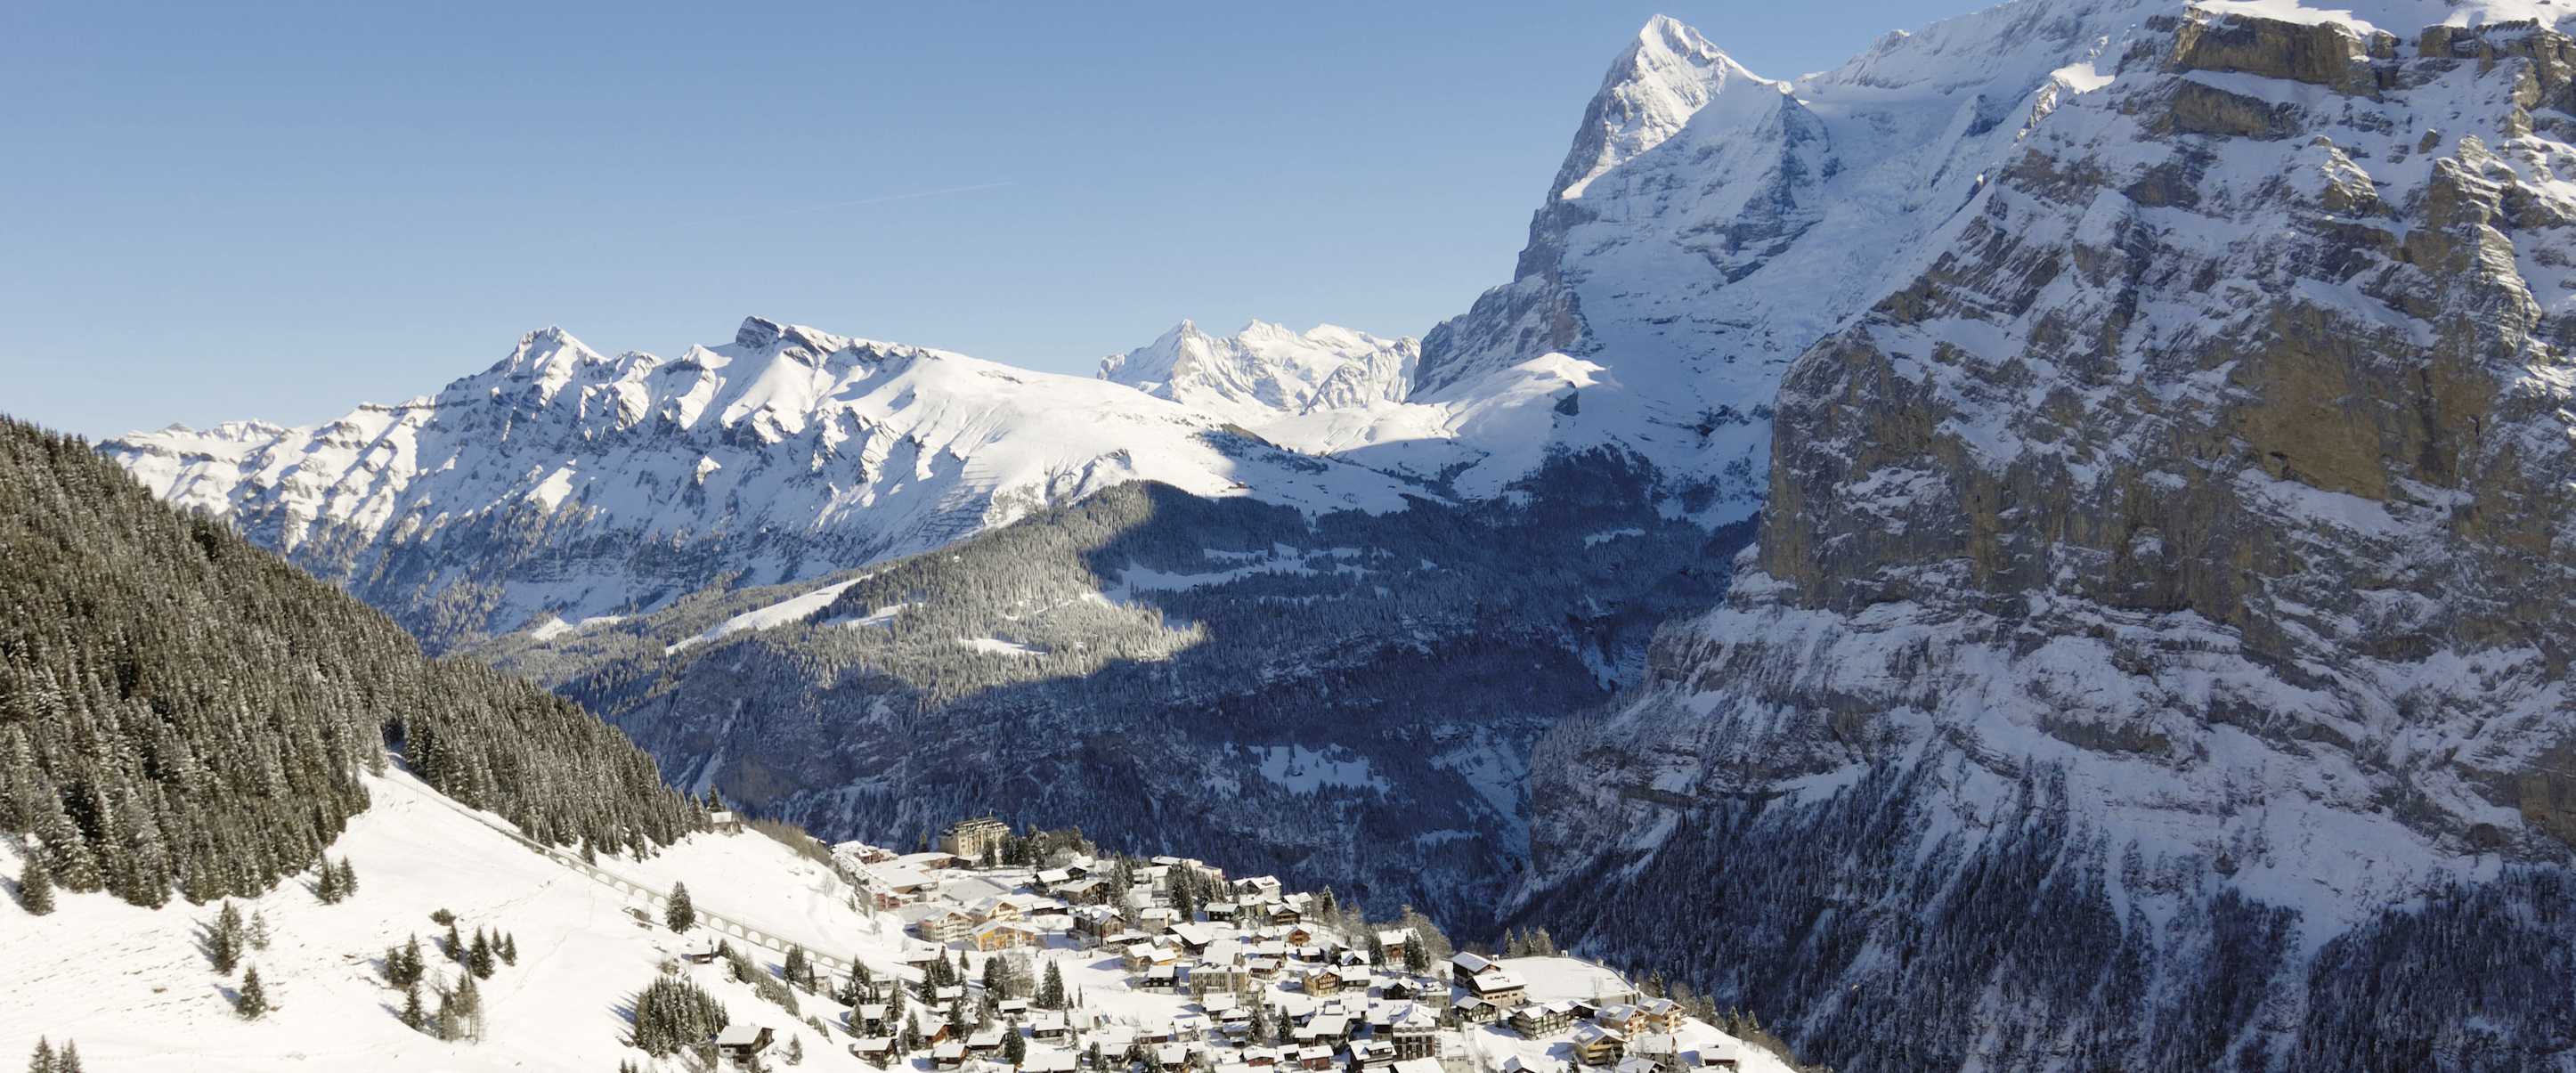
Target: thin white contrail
[[877, 200]]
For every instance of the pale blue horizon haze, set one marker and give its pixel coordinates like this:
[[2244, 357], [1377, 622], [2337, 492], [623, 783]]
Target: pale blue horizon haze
[[282, 210]]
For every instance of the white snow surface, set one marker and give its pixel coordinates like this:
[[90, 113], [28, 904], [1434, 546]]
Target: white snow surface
[[131, 986]]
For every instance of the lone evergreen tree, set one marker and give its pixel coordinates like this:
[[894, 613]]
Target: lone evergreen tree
[[453, 945], [70, 1062], [403, 965], [348, 874], [259, 934], [72, 865], [480, 959], [326, 886], [43, 1060], [414, 1015], [450, 1022], [224, 945], [680, 914], [1015, 1049], [252, 1002], [36, 888], [460, 1010], [1051, 990], [509, 947]]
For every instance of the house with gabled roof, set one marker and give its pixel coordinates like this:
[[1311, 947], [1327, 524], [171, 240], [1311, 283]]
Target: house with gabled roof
[[877, 1051], [1464, 966], [1598, 1046], [1536, 1019], [1003, 935], [742, 1042]]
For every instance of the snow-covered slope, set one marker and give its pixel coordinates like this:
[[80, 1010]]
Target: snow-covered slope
[[564, 482], [136, 991], [1267, 370], [2160, 614]]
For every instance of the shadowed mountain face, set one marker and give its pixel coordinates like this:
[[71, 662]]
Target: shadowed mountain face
[[1346, 699]]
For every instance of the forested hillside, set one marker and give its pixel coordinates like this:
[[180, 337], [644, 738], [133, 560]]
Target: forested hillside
[[180, 711]]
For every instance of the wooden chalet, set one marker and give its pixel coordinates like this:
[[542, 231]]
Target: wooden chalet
[[877, 1051], [741, 1044], [1598, 1046]]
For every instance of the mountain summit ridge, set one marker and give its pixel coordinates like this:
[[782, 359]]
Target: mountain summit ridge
[[628, 480]]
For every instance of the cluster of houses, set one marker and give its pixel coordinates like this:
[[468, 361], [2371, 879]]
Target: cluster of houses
[[1248, 983]]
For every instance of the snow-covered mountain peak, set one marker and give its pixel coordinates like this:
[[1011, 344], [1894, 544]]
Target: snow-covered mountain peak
[[761, 335], [1650, 93], [1709, 225], [1265, 371], [546, 351]]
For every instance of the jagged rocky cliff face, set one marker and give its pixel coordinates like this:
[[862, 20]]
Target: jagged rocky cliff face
[[2153, 653]]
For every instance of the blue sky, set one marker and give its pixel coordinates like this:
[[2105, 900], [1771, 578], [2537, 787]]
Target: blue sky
[[279, 210]]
